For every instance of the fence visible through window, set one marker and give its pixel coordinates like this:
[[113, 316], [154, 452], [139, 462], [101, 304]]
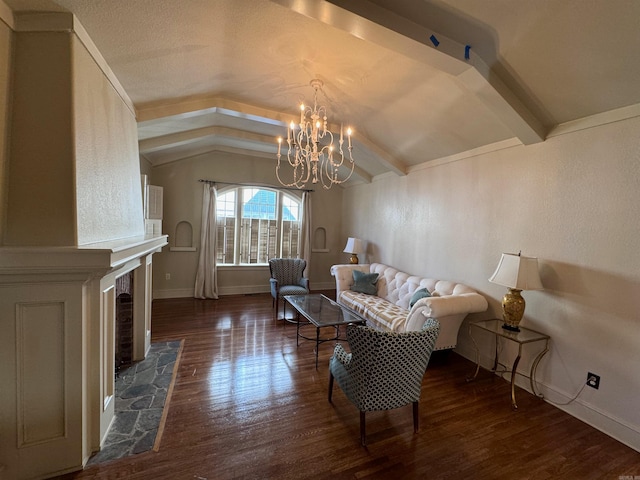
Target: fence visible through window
[[269, 226]]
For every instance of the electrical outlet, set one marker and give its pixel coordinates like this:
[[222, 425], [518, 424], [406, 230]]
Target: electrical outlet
[[167, 276], [593, 380]]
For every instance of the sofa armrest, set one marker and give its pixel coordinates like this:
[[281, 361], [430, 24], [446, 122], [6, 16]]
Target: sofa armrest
[[438, 307], [344, 276]]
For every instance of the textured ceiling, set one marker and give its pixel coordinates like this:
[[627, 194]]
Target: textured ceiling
[[227, 75]]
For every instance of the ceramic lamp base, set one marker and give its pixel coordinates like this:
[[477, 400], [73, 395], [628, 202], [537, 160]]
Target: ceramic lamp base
[[512, 309]]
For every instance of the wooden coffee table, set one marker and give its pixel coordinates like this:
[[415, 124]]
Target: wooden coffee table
[[321, 311]]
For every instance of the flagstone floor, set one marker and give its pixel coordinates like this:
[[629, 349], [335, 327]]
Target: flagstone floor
[[140, 396]]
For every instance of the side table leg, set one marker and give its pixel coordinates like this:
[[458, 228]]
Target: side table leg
[[472, 378], [514, 405], [534, 367]]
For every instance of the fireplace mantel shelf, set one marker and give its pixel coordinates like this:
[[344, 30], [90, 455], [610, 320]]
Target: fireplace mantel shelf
[[102, 256]]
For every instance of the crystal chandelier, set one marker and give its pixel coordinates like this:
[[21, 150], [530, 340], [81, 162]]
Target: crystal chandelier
[[311, 153]]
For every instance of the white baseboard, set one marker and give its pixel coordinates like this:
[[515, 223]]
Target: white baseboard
[[589, 414]]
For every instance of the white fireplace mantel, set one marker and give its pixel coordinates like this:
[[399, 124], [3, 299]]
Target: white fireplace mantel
[[57, 348], [95, 257]]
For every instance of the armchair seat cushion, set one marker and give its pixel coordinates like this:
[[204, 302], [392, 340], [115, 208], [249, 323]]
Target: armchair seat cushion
[[292, 290]]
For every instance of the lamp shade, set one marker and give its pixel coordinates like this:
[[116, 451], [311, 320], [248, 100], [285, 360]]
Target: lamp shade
[[518, 272], [354, 245]]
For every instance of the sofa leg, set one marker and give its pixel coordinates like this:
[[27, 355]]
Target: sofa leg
[[363, 433], [416, 417]]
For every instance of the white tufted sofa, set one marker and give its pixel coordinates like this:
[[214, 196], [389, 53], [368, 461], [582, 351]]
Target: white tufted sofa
[[389, 309]]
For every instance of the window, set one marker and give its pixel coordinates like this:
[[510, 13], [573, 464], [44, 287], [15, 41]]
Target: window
[[256, 224]]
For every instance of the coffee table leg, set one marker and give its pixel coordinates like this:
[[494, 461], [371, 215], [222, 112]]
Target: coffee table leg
[[317, 344]]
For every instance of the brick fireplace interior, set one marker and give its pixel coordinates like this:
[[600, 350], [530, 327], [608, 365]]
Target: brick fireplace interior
[[124, 321]]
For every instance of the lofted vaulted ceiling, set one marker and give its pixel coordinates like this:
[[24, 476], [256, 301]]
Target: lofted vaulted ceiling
[[227, 75]]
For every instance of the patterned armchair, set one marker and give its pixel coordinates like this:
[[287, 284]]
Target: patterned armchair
[[384, 369], [286, 279]]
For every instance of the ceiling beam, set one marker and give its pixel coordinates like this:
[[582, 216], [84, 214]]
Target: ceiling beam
[[190, 136], [370, 22], [147, 114]]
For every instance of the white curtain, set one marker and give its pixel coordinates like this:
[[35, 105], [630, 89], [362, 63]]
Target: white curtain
[[305, 244], [207, 276]]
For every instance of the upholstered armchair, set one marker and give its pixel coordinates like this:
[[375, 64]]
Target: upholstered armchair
[[286, 279], [384, 369]]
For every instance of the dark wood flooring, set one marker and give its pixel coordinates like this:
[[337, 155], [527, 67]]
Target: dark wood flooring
[[247, 403]]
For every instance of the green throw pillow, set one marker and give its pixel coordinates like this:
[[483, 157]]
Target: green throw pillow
[[364, 282], [417, 295]]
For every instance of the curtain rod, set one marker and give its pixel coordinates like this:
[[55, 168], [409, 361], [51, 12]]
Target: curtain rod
[[254, 185]]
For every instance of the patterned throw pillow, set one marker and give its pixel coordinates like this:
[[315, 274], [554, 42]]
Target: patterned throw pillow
[[364, 282], [417, 295]]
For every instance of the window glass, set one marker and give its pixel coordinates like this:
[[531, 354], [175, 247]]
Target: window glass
[[265, 225]]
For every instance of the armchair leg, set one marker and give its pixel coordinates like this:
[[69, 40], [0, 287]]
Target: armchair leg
[[416, 417], [330, 385], [363, 434]]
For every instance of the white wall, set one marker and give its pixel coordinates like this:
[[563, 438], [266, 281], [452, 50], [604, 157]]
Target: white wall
[[571, 201], [183, 202], [108, 193]]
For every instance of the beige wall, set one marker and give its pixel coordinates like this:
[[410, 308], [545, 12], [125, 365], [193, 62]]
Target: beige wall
[[40, 207], [182, 202], [74, 175], [5, 65], [108, 193], [573, 202]]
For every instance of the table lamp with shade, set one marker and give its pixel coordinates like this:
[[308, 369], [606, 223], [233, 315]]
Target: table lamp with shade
[[516, 273], [354, 247]]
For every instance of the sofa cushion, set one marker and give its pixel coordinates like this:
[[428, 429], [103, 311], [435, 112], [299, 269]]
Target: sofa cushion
[[417, 295], [379, 313], [364, 282]]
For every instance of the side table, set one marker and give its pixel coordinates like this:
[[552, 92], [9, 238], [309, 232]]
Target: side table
[[525, 335]]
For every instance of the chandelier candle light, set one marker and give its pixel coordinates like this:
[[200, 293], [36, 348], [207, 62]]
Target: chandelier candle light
[[311, 152]]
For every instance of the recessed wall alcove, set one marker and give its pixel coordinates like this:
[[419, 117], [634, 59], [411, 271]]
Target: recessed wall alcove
[[319, 244], [183, 239]]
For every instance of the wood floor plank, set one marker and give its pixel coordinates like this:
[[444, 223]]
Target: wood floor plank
[[247, 403]]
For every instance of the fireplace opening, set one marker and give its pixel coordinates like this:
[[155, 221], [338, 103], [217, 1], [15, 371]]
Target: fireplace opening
[[124, 322]]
